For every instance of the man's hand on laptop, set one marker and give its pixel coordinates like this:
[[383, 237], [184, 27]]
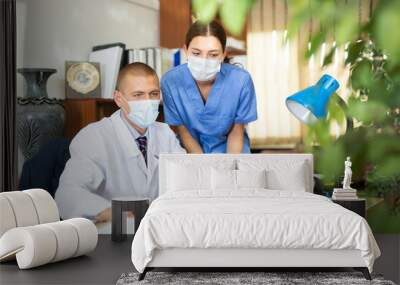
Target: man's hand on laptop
[[105, 216]]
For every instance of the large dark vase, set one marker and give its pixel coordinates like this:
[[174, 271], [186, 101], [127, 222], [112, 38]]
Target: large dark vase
[[39, 118]]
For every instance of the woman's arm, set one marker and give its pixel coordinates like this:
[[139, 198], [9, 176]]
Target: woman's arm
[[245, 113], [235, 139], [190, 144]]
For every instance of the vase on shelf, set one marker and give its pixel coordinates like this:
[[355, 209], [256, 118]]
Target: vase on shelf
[[39, 118]]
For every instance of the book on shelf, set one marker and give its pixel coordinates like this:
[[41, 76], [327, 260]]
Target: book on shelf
[[160, 59], [150, 54], [344, 194], [341, 190], [335, 197], [235, 43], [136, 55], [157, 62]]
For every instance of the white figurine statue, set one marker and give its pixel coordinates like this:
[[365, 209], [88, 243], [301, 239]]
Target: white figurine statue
[[347, 174]]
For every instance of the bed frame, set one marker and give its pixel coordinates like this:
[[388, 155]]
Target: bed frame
[[245, 259], [242, 259]]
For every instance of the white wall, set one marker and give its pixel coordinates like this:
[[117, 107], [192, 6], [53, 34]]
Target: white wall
[[53, 31]]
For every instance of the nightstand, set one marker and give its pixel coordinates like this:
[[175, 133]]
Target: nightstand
[[357, 206], [138, 206]]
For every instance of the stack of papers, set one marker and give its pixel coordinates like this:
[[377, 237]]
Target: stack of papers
[[344, 194]]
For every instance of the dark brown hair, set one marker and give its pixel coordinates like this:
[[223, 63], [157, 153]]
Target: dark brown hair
[[136, 68], [211, 29]]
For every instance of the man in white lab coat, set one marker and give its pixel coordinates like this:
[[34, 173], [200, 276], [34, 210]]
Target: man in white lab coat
[[117, 156]]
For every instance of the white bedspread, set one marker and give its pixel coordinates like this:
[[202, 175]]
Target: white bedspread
[[250, 219]]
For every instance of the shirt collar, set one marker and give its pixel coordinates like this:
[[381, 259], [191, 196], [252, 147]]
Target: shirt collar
[[135, 134]]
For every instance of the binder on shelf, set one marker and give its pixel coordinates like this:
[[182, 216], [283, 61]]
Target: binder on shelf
[[157, 62], [150, 57], [235, 43], [124, 58], [160, 59], [110, 64]]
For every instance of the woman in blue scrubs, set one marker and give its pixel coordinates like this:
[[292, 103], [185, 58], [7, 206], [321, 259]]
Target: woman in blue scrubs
[[208, 101]]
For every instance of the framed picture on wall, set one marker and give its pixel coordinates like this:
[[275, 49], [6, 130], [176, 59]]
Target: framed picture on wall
[[82, 80]]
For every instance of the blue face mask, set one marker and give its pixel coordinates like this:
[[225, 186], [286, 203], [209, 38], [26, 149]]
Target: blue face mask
[[143, 112]]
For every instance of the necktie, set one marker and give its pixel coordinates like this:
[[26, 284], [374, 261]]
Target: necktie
[[142, 144]]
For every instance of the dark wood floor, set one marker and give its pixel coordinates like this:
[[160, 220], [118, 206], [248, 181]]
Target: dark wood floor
[[110, 260], [389, 262], [102, 266]]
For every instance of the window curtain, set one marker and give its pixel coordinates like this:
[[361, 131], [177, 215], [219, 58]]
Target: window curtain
[[8, 149], [279, 69], [274, 66]]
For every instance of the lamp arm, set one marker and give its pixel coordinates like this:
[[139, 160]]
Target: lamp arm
[[343, 105]]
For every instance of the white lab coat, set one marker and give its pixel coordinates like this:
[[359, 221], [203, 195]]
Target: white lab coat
[[106, 163]]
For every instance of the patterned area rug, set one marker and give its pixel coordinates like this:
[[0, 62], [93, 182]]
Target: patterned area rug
[[243, 278]]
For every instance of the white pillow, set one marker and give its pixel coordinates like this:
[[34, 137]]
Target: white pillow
[[251, 178], [183, 177], [223, 179], [281, 174], [292, 180], [226, 179]]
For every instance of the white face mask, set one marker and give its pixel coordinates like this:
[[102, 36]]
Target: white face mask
[[143, 112], [203, 69]]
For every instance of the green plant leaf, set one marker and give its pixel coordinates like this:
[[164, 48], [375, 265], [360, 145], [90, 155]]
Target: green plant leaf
[[329, 57], [316, 42], [233, 14], [368, 112], [331, 159], [205, 10], [389, 19], [374, 78], [322, 132], [347, 26], [301, 16], [362, 75], [335, 111], [354, 51], [379, 92], [383, 146], [303, 11], [389, 167]]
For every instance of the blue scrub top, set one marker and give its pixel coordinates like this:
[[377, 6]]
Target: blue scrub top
[[231, 100]]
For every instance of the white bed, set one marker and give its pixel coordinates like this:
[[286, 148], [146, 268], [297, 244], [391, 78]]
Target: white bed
[[247, 211]]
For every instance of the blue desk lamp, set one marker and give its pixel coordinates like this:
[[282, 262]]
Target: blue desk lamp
[[310, 105]]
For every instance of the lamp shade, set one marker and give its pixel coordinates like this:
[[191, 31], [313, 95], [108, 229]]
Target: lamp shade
[[310, 105]]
